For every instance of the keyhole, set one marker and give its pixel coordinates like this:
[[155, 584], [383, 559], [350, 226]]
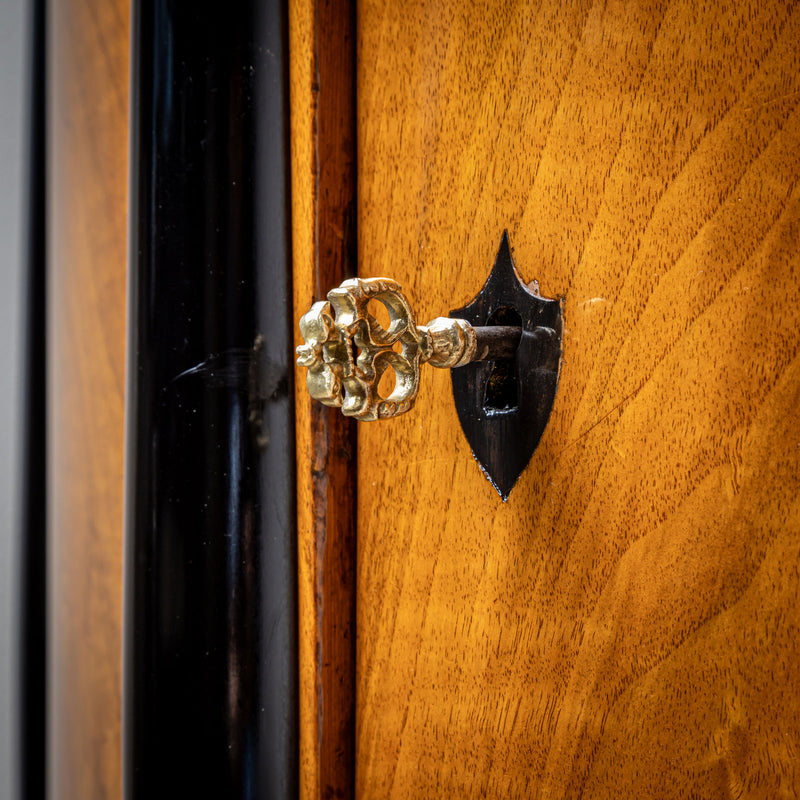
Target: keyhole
[[502, 392]]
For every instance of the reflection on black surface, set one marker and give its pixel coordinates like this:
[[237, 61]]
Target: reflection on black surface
[[210, 666]]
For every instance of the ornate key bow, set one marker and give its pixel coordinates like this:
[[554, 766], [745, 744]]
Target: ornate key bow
[[347, 350]]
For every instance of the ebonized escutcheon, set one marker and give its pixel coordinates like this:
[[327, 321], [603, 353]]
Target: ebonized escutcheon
[[504, 405]]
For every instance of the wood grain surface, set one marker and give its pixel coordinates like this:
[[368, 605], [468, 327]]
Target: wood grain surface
[[87, 218], [322, 75], [626, 625]]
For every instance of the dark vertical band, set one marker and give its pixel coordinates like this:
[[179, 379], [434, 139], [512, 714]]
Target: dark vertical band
[[210, 619], [33, 567], [333, 435]]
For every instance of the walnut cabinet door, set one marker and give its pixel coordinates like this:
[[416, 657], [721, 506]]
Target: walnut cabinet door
[[626, 624]]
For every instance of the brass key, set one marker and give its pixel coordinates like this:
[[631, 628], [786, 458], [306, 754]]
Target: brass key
[[347, 350]]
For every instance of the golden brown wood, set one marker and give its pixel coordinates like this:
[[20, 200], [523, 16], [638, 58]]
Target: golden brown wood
[[627, 624], [87, 217], [323, 204]]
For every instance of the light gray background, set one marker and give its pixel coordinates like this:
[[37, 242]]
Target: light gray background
[[14, 36]]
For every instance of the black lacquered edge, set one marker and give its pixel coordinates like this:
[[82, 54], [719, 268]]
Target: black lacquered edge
[[31, 709], [210, 672]]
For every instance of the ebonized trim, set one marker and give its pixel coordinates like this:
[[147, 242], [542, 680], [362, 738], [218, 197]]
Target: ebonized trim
[[210, 696], [32, 679]]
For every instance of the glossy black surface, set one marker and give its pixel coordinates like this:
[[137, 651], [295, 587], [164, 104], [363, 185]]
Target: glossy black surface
[[33, 506], [210, 608], [504, 405]]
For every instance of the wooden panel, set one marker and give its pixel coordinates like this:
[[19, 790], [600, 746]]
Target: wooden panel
[[87, 219], [322, 46], [626, 625]]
